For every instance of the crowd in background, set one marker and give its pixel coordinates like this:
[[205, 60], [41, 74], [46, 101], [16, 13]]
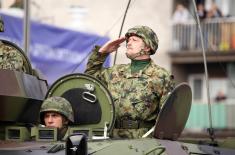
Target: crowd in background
[[218, 33], [182, 13]]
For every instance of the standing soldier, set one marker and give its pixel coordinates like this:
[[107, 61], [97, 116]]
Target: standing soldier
[[57, 112], [138, 89]]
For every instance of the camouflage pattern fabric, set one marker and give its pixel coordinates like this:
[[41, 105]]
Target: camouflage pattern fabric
[[129, 133], [10, 58], [57, 104], [138, 96], [147, 34], [1, 25]]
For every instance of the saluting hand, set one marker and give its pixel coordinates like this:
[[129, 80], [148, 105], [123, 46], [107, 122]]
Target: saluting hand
[[112, 45]]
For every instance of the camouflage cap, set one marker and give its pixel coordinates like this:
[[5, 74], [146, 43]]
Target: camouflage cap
[[59, 105], [147, 34]]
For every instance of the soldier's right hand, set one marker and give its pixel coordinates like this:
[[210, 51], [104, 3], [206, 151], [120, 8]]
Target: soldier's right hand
[[112, 45]]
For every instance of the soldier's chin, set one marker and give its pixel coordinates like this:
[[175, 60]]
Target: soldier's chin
[[51, 126], [128, 55]]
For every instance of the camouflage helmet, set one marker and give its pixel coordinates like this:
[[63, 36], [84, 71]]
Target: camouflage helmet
[[147, 34], [59, 105]]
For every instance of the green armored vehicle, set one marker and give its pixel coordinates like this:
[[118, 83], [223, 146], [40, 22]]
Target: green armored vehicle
[[94, 119]]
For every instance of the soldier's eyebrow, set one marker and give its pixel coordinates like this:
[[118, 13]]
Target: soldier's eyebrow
[[55, 114], [46, 115]]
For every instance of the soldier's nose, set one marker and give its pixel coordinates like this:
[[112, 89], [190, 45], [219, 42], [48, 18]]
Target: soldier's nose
[[50, 119]]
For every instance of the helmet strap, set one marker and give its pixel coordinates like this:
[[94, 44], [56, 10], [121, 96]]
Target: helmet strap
[[133, 56]]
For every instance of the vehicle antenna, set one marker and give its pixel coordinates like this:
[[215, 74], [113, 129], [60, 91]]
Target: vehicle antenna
[[120, 32], [210, 130]]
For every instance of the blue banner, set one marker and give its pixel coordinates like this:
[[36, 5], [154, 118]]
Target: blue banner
[[54, 51]]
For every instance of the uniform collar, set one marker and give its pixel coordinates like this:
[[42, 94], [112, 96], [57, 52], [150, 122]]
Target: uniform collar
[[146, 70]]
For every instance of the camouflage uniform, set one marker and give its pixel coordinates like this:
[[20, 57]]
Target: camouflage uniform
[[10, 58], [137, 96], [61, 106], [1, 25]]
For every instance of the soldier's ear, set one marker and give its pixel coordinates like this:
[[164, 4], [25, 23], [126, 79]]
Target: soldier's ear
[[65, 121], [147, 49]]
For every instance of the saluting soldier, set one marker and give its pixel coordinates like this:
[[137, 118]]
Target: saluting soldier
[[139, 88]]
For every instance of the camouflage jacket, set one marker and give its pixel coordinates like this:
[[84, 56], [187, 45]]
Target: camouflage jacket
[[138, 96], [10, 58]]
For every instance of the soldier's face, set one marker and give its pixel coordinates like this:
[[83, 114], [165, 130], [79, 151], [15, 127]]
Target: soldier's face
[[53, 119], [134, 45]]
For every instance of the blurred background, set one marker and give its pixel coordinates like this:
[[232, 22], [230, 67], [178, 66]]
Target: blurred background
[[61, 34]]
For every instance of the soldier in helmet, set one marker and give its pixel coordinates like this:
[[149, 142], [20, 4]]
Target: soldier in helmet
[[57, 112], [139, 88]]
